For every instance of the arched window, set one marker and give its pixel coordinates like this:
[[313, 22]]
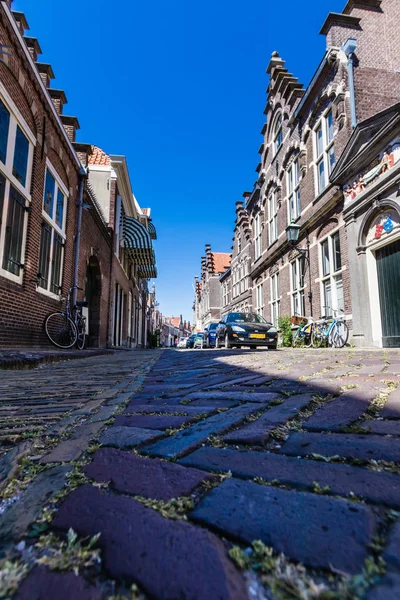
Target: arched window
[[278, 135]]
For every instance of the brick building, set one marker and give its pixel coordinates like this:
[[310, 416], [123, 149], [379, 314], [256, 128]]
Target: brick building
[[208, 291], [329, 165], [43, 186], [132, 260]]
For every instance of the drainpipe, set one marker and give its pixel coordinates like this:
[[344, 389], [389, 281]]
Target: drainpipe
[[80, 205], [349, 48]]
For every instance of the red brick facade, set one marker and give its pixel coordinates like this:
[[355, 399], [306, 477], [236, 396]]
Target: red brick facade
[[305, 133], [39, 194]]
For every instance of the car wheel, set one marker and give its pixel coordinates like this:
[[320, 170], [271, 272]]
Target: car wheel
[[228, 345], [274, 347], [254, 347]]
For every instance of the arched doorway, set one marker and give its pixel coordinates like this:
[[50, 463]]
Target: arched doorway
[[93, 295]]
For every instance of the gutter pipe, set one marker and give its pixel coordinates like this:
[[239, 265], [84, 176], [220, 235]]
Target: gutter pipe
[[349, 48]]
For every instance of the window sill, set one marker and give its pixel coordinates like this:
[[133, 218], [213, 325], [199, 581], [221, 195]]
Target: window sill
[[7, 275], [273, 243], [321, 194], [48, 294]]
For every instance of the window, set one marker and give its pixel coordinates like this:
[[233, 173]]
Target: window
[[293, 188], [239, 246], [324, 150], [275, 299], [272, 219], [16, 152], [297, 282], [331, 275], [259, 299], [21, 152], [257, 236], [52, 237], [278, 135], [4, 128]]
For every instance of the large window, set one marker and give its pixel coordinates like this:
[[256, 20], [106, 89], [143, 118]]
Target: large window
[[272, 219], [259, 299], [275, 299], [258, 236], [293, 191], [278, 135], [324, 150], [331, 275], [52, 237], [297, 284], [16, 153]]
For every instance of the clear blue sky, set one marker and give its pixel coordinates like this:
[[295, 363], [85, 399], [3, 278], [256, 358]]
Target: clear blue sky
[[179, 88]]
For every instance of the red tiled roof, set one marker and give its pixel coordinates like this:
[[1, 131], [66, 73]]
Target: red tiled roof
[[221, 261], [174, 321], [99, 157]]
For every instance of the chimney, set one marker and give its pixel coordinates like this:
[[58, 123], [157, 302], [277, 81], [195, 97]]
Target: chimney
[[338, 27], [46, 73], [83, 151], [21, 21], [33, 47], [58, 98], [71, 124]]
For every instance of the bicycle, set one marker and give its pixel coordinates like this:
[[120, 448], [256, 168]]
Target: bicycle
[[65, 329], [333, 331], [303, 334]]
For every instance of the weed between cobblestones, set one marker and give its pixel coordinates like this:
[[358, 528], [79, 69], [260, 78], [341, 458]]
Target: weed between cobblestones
[[11, 574], [71, 554], [281, 433], [176, 509], [27, 472], [292, 581]]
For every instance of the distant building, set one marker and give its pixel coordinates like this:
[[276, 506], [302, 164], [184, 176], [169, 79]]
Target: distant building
[[208, 292]]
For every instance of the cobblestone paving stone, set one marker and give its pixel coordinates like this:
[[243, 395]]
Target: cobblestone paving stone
[[296, 448]]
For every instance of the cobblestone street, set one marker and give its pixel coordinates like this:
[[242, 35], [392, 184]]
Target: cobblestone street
[[208, 475]]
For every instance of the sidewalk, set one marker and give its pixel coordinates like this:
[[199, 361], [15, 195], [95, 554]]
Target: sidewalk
[[28, 358]]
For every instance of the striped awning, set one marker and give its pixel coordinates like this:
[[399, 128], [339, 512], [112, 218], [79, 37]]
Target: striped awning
[[147, 271], [152, 230], [137, 242]]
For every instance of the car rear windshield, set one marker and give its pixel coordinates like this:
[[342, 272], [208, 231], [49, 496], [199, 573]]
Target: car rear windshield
[[212, 326], [245, 318], [200, 335]]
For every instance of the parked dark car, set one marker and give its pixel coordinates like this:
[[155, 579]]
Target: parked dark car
[[190, 341], [210, 335], [246, 329]]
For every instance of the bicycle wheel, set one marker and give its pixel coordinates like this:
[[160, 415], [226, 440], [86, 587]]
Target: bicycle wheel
[[340, 334], [317, 337], [307, 336], [81, 331], [60, 330]]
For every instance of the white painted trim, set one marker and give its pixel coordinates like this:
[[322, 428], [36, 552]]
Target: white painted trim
[[49, 294], [12, 108], [36, 74]]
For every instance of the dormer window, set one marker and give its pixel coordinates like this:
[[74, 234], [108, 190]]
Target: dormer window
[[278, 135]]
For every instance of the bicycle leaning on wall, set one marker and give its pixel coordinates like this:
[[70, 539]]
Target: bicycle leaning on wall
[[65, 329], [333, 331]]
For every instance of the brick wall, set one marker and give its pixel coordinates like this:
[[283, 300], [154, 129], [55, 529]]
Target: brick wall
[[23, 307]]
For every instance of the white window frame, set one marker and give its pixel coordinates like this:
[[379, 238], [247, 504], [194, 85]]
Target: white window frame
[[322, 155], [6, 169], [297, 287], [239, 244], [257, 236], [275, 299], [61, 231], [333, 276], [293, 191], [272, 219], [260, 299]]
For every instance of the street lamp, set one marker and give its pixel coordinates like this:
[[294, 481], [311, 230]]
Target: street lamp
[[292, 236]]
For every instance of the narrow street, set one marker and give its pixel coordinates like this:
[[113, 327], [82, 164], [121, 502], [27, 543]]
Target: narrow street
[[183, 460]]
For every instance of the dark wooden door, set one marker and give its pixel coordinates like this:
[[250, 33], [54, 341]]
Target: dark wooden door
[[388, 265]]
